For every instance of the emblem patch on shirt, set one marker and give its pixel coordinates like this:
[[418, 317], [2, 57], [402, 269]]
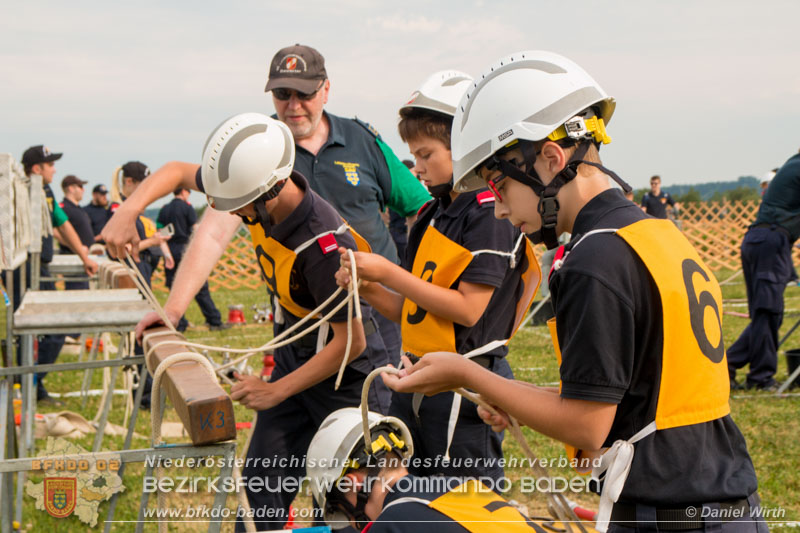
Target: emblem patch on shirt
[[327, 243], [350, 172]]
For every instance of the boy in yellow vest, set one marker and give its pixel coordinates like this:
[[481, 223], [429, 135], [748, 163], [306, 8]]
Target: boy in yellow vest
[[642, 362], [472, 278], [372, 490], [247, 170]]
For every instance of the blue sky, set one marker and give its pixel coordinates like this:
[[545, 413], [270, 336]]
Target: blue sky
[[706, 90]]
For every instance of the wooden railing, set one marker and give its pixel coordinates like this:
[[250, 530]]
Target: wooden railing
[[715, 229]]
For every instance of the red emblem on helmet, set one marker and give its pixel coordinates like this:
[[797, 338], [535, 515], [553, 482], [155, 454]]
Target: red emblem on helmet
[[291, 63]]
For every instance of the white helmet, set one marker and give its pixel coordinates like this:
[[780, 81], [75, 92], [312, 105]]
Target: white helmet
[[245, 157], [337, 441], [526, 96], [441, 92]]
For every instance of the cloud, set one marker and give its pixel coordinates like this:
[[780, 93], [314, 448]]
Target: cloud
[[399, 24]]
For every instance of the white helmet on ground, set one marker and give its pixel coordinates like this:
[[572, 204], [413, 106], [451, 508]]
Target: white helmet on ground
[[244, 158], [335, 449], [524, 96], [441, 92]]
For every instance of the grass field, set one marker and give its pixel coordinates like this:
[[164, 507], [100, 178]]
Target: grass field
[[769, 424]]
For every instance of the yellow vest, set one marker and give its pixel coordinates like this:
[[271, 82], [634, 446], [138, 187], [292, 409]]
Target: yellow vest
[[277, 262], [149, 226], [441, 261], [694, 386], [478, 509]]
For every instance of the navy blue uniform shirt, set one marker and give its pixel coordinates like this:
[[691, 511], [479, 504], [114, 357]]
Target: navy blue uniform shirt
[[182, 217], [656, 206], [781, 203], [80, 221], [98, 216]]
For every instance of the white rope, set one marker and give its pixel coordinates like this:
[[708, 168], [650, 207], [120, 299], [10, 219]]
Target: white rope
[[157, 410], [557, 500], [278, 341], [350, 301]]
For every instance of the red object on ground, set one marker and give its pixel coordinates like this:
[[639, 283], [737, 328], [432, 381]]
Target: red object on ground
[[236, 315], [269, 365], [585, 514], [243, 425], [89, 344], [290, 522]]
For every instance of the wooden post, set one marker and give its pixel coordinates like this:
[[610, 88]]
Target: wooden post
[[203, 406]]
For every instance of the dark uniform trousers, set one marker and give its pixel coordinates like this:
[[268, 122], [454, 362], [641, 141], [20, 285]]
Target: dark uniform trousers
[[203, 297], [49, 346], [714, 520], [767, 267], [473, 438], [283, 432]]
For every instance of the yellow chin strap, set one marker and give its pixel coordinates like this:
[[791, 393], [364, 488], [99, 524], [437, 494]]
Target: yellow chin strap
[[578, 127]]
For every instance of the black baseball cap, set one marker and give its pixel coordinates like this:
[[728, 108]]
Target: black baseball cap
[[100, 189], [72, 180], [296, 67], [38, 154], [136, 170]]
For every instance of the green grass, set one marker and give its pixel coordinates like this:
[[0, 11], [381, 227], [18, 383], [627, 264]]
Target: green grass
[[769, 424]]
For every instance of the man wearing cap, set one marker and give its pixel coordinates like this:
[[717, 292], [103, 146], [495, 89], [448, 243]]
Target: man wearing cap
[[345, 161], [98, 210], [73, 194], [40, 160]]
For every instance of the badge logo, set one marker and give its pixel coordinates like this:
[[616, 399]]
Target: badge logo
[[60, 496], [350, 172], [292, 64]]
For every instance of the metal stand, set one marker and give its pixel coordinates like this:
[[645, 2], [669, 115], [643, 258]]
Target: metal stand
[[84, 311]]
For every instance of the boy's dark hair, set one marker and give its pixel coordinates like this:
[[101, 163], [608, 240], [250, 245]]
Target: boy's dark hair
[[415, 123], [179, 190]]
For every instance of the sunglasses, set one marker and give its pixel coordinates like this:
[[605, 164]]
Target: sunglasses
[[284, 94]]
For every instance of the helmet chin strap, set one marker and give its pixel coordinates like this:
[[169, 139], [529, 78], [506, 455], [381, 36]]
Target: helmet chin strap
[[441, 190], [262, 216], [355, 512], [548, 203]]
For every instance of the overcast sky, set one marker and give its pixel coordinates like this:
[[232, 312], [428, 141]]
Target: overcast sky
[[706, 90]]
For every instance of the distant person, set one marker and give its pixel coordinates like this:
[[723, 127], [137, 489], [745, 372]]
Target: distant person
[[133, 174], [98, 210], [766, 179], [72, 187], [180, 213], [40, 160], [767, 266], [655, 202]]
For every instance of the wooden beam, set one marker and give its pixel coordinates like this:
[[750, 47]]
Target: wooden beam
[[114, 276], [202, 404]]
